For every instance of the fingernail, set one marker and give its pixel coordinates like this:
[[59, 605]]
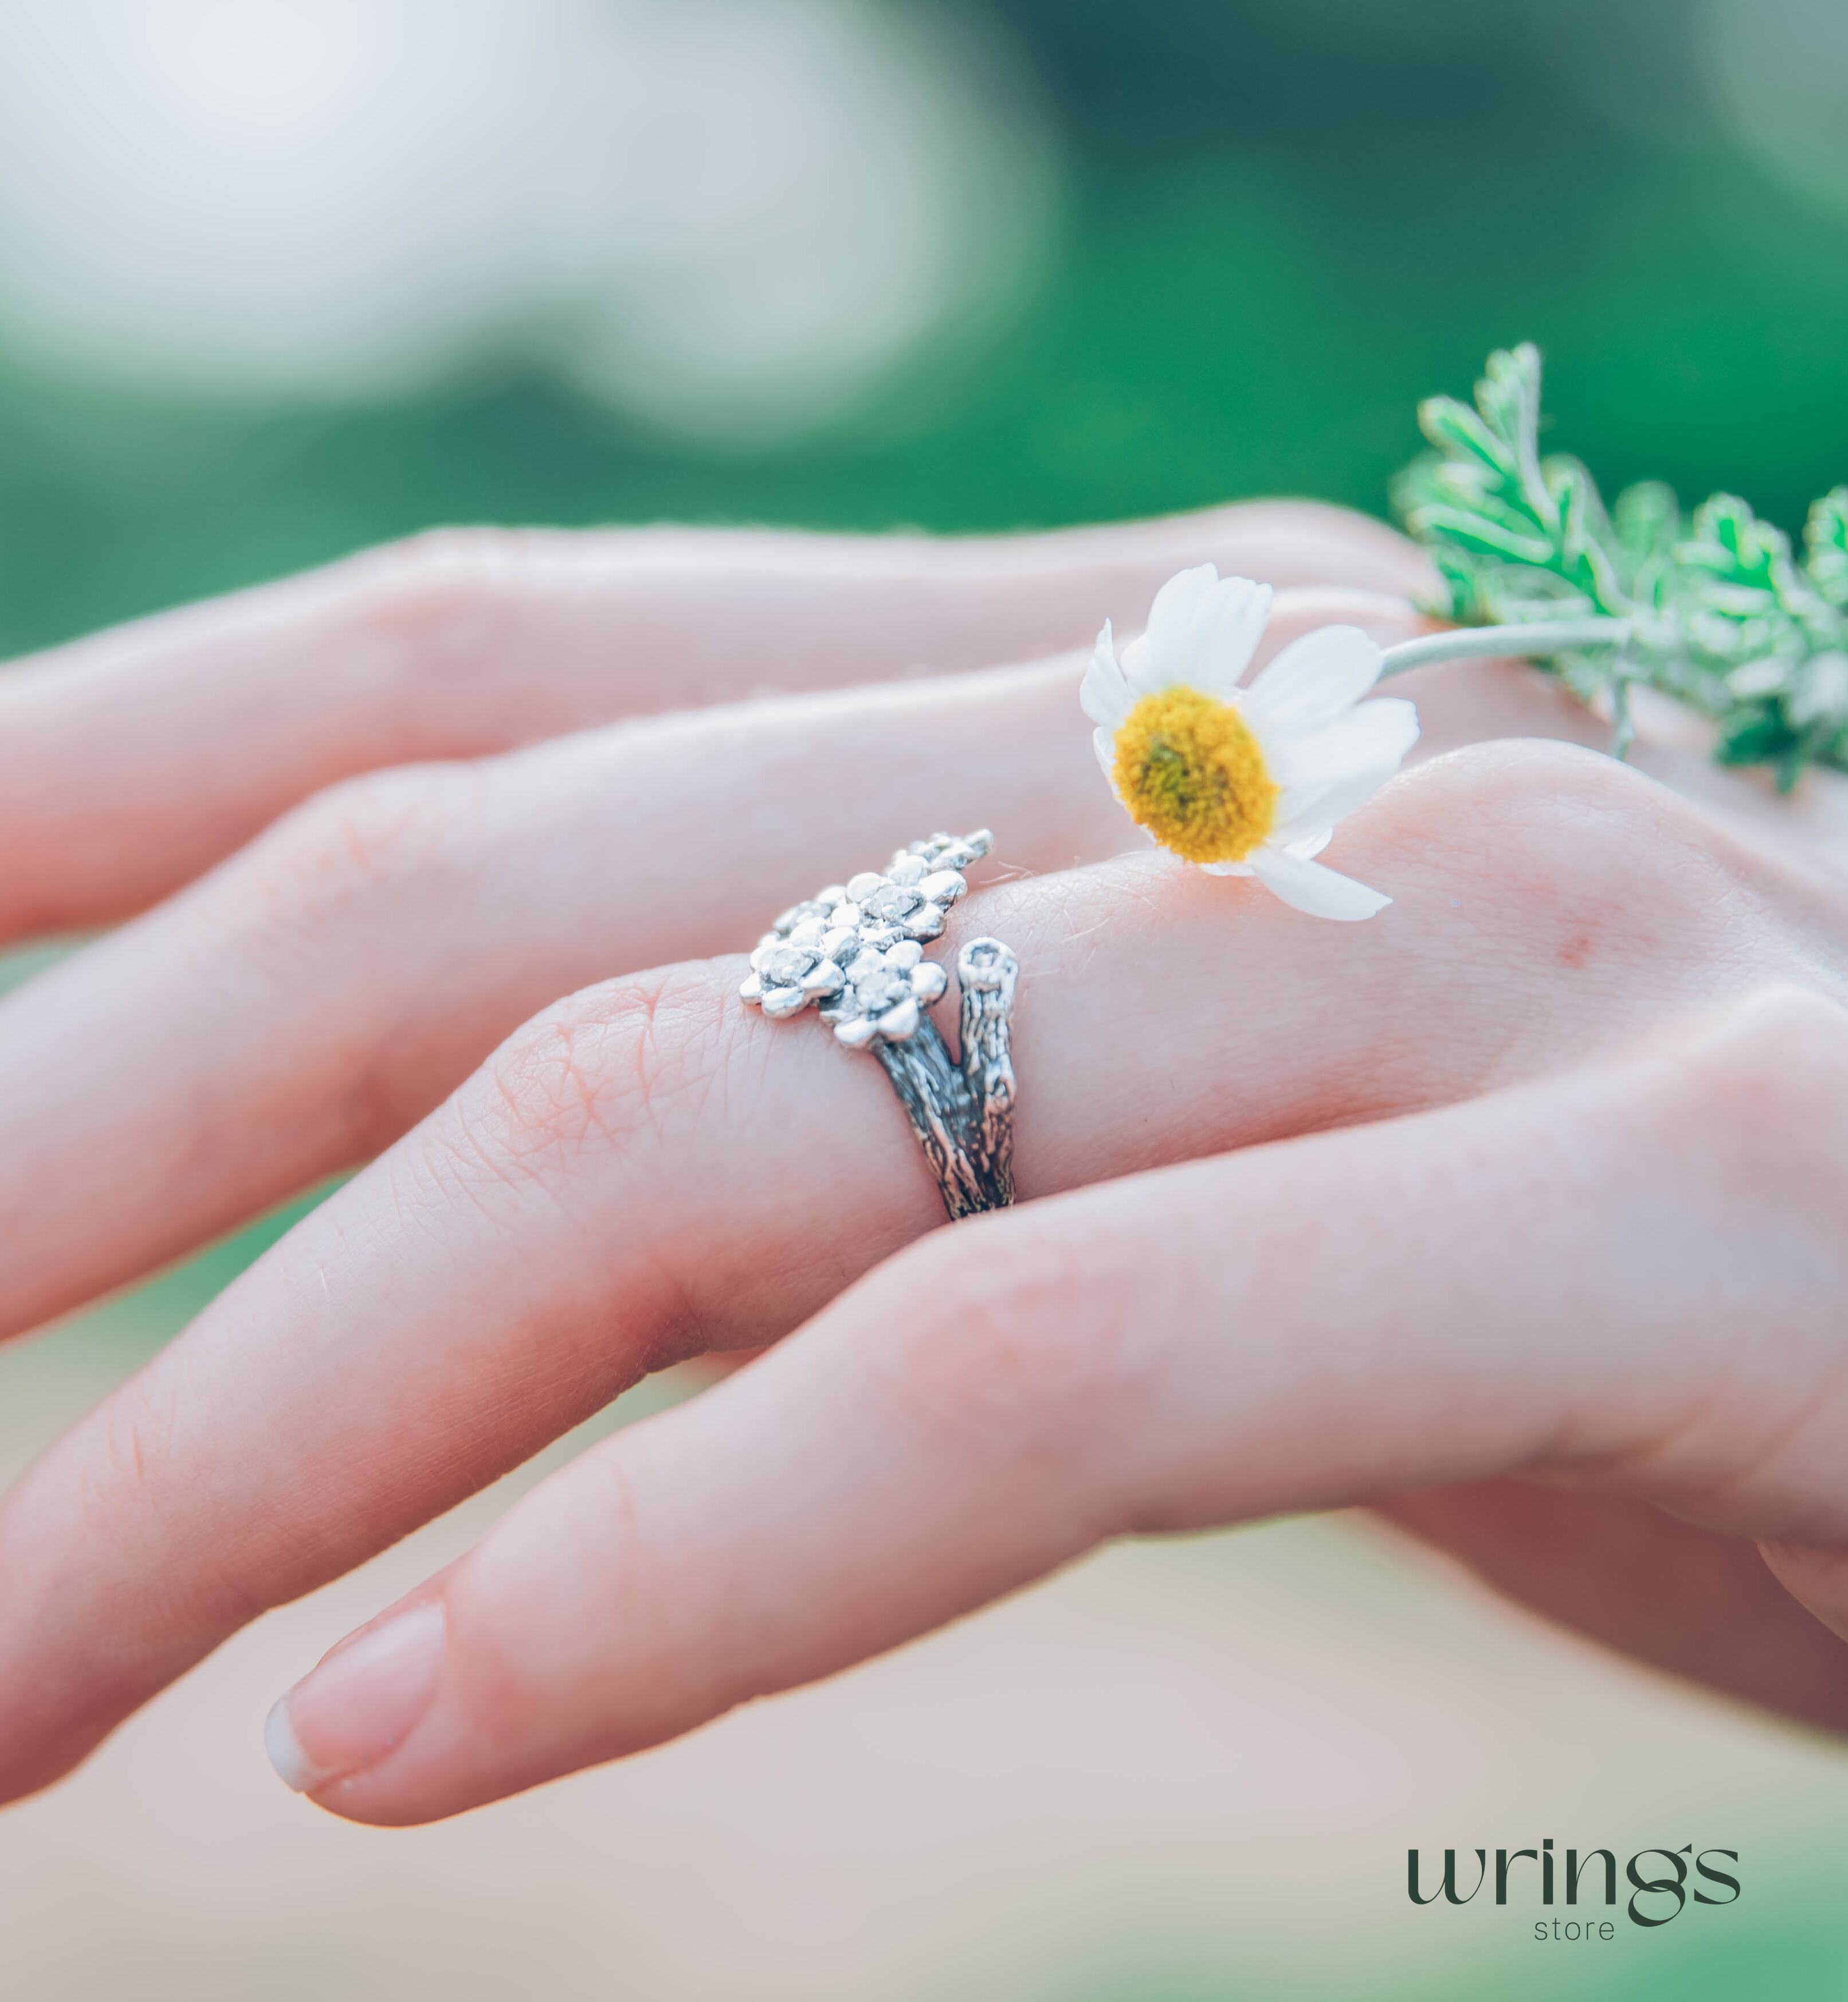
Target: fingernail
[[359, 1703]]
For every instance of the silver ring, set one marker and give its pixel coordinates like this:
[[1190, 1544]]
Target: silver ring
[[856, 949]]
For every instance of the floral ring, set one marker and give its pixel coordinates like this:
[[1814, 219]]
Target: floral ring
[[856, 949]]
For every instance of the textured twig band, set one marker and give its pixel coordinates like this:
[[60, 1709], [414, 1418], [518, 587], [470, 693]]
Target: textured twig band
[[963, 1114]]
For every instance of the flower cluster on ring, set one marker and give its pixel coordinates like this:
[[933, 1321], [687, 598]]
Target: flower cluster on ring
[[857, 948]]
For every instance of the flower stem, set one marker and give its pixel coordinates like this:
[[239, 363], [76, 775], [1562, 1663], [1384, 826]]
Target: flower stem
[[1525, 642]]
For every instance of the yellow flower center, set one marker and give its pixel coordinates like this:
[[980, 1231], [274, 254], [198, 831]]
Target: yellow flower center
[[1190, 772]]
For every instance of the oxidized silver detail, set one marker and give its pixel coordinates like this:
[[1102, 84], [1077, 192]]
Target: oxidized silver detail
[[856, 949]]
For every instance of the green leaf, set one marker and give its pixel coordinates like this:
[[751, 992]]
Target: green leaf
[[1458, 575], [1452, 427], [1731, 544], [1520, 595], [1647, 520], [1587, 546], [1646, 527], [1479, 531], [1826, 537], [1755, 735], [1819, 694], [1721, 618]]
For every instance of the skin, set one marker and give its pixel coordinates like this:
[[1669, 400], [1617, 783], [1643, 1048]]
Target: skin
[[1559, 1114]]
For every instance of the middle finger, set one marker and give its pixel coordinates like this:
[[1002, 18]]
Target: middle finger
[[305, 1005]]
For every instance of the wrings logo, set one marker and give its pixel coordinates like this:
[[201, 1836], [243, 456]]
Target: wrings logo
[[1659, 1882]]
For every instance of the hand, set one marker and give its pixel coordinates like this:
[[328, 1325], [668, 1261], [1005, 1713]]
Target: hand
[[646, 1169], [301, 1006]]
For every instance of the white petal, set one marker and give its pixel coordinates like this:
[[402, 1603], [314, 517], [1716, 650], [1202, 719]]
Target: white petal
[[1170, 637], [1227, 629], [1105, 745], [1379, 732], [1307, 886], [1329, 774], [1103, 693], [1316, 811], [1313, 681], [1307, 846]]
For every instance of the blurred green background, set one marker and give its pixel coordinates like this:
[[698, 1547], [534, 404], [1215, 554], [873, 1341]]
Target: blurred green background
[[1276, 228], [1192, 250]]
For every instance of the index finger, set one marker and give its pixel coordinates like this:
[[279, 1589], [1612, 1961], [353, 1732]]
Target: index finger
[[133, 760]]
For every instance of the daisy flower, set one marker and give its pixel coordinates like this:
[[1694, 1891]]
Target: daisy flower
[[1245, 781]]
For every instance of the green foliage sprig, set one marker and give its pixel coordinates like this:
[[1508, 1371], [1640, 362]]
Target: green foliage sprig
[[1714, 609]]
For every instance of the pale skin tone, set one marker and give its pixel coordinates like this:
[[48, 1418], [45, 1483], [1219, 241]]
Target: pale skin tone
[[1520, 1212]]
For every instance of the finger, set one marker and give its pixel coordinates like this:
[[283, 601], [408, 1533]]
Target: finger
[[1470, 702], [649, 1168], [1182, 1349], [1701, 1604], [135, 759], [302, 1008]]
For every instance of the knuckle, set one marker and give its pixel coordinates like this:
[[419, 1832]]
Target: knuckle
[[366, 840], [439, 616], [1334, 537], [133, 1431], [601, 1069], [432, 578], [132, 1458], [1524, 788], [451, 611], [334, 901], [596, 1513], [1027, 1347], [1583, 848], [1758, 1089]]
